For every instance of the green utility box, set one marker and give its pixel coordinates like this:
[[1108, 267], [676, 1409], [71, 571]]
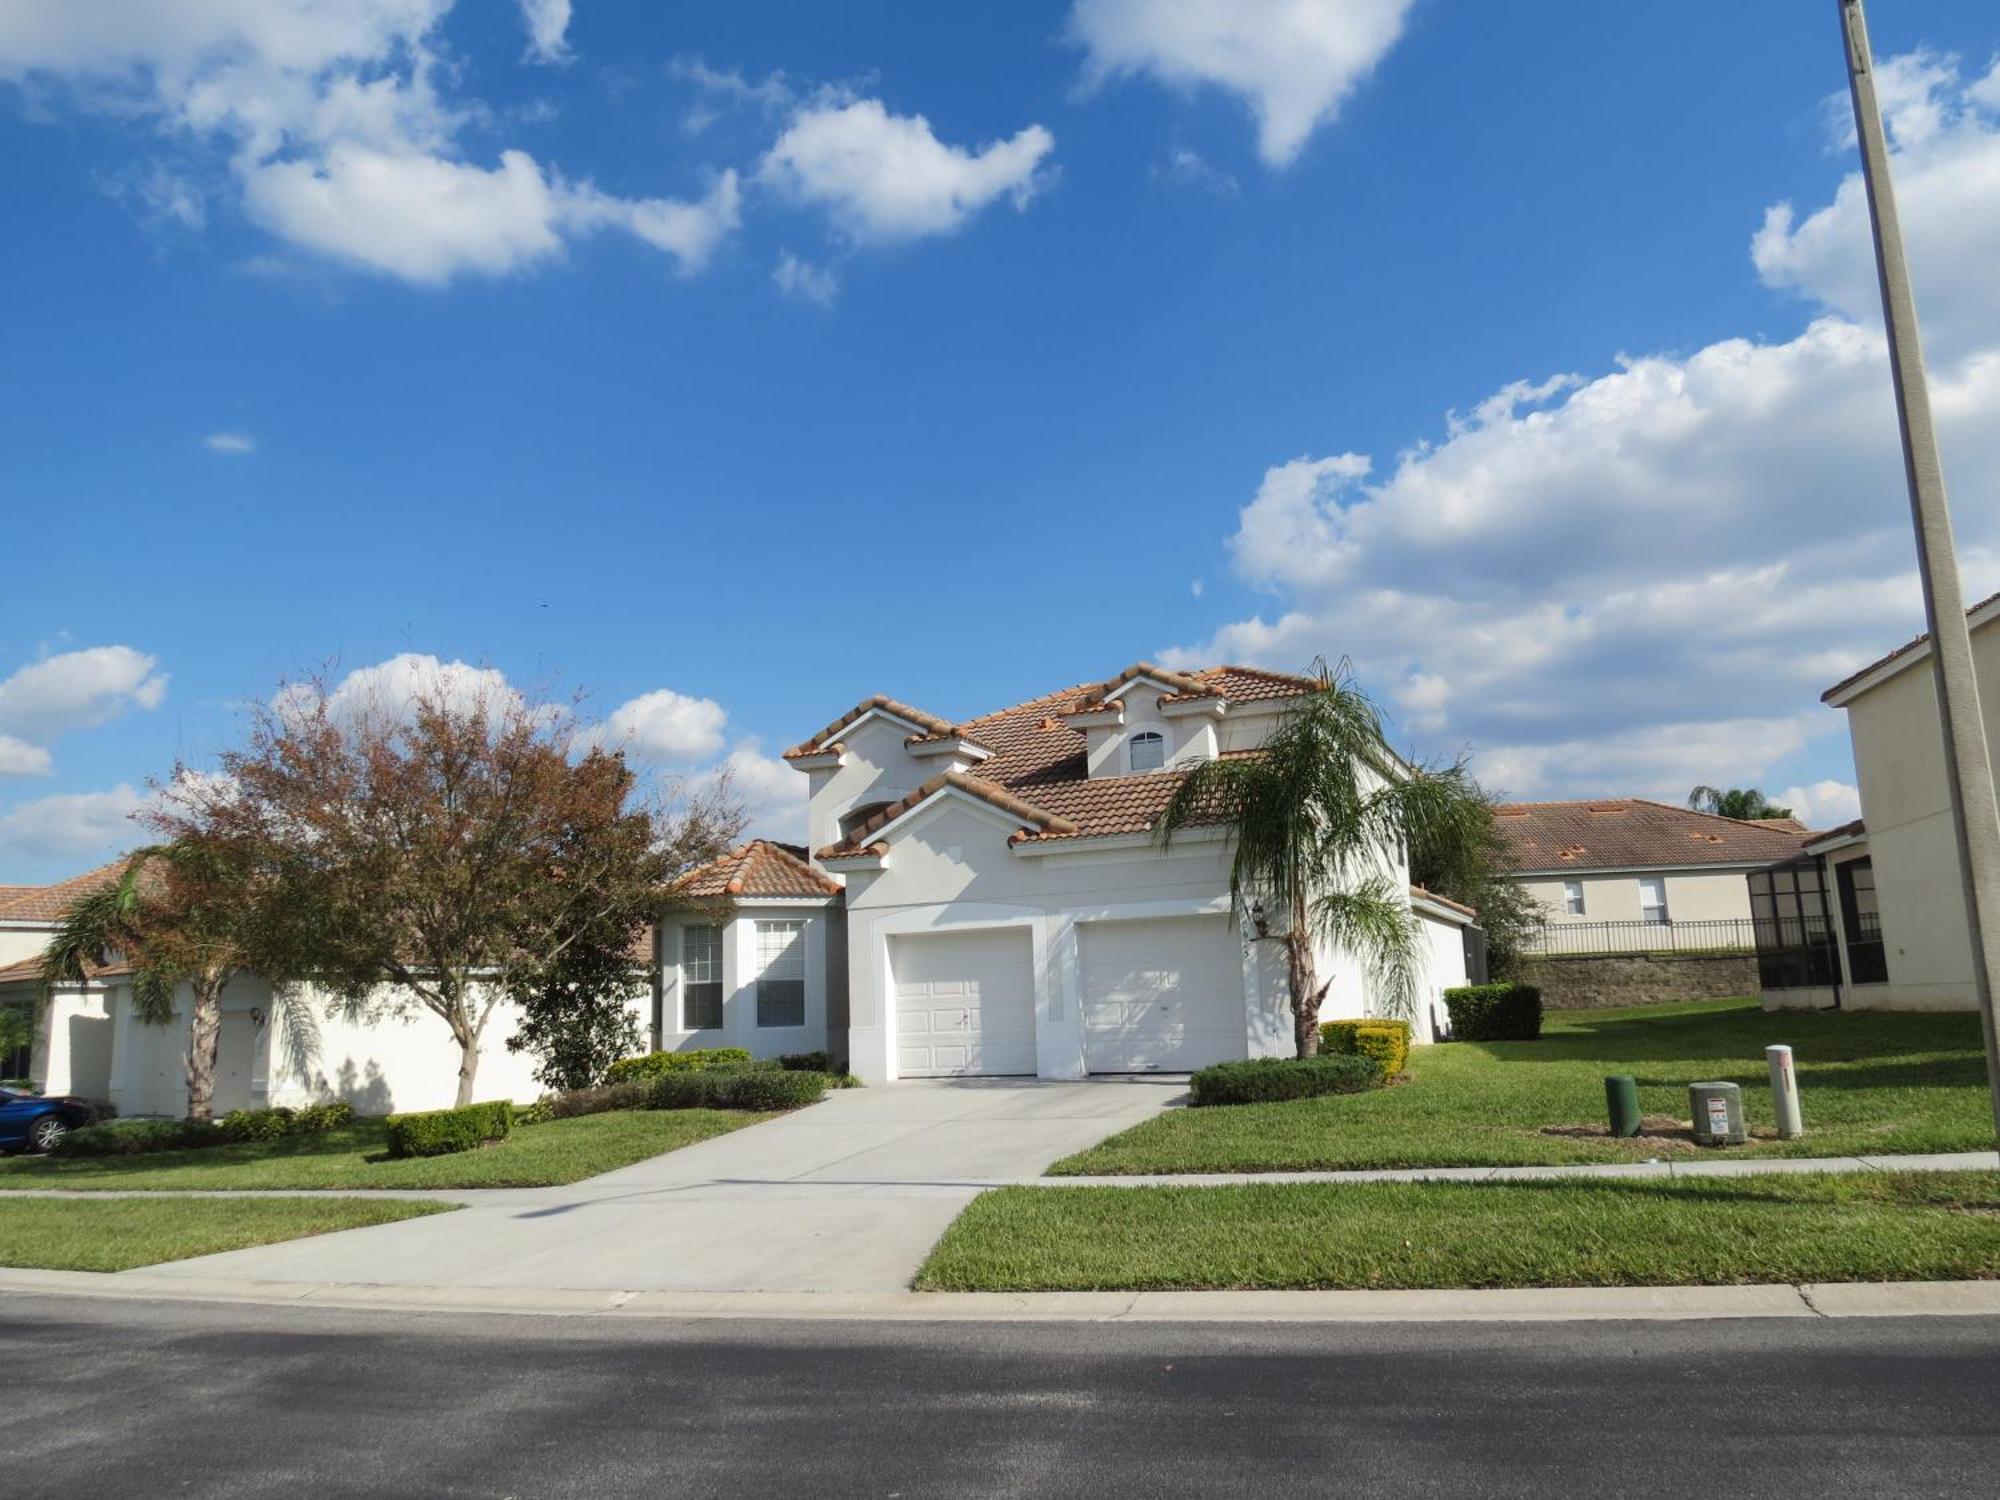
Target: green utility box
[[1717, 1112], [1621, 1099]]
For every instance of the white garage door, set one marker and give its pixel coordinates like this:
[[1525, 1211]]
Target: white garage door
[[965, 1003], [1164, 995]]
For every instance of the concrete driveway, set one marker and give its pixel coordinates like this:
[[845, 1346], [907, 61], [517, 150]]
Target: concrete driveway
[[848, 1196]]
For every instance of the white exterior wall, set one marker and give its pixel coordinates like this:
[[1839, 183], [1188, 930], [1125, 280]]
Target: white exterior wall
[[19, 940], [72, 1046], [1899, 765], [739, 983]]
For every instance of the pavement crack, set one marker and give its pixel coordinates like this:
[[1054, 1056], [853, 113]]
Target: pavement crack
[[1811, 1306]]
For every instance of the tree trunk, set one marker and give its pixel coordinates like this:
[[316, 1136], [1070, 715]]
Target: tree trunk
[[1306, 992], [204, 1043]]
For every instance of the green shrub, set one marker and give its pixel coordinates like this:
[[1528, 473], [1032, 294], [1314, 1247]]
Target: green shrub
[[1494, 1012], [1265, 1079], [439, 1132], [634, 1093], [136, 1137], [659, 1064], [258, 1124], [748, 1087], [806, 1062], [312, 1118], [1387, 1041]]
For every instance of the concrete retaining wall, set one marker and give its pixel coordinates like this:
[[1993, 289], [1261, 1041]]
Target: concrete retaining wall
[[1639, 978]]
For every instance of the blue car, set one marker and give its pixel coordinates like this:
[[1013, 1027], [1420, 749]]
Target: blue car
[[33, 1122]]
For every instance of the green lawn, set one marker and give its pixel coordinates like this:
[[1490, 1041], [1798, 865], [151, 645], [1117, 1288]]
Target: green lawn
[[1869, 1083], [533, 1156], [116, 1234], [1865, 1227]]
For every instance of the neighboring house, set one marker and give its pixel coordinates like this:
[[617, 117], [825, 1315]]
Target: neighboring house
[[1624, 874], [1873, 917], [89, 1041], [1009, 910]]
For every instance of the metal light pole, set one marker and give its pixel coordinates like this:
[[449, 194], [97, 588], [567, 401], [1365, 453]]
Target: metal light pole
[[1975, 815]]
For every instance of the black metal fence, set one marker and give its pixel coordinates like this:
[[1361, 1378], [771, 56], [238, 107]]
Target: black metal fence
[[1584, 939]]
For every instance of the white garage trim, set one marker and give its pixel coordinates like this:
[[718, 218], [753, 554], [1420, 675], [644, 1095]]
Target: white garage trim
[[1165, 994], [964, 1002]]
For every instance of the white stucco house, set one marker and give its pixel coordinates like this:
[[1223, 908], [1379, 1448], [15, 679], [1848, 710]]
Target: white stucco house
[[1629, 875], [1872, 915], [983, 897], [987, 896]]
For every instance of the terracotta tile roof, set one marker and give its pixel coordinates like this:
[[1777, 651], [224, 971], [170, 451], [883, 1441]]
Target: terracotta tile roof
[[1423, 895], [1038, 760], [47, 903], [1903, 650], [1617, 833], [860, 839], [1853, 828], [761, 867], [29, 971], [814, 744], [1783, 825]]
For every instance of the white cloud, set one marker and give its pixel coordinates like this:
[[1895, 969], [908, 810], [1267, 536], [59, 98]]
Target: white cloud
[[547, 22], [1191, 169], [73, 690], [804, 280], [335, 130], [71, 825], [664, 725], [1947, 171], [772, 792], [1642, 578], [886, 177], [391, 690], [1295, 62], [1823, 804], [230, 442]]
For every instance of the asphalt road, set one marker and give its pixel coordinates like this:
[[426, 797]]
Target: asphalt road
[[104, 1400]]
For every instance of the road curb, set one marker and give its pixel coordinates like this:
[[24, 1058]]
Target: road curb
[[1504, 1305]]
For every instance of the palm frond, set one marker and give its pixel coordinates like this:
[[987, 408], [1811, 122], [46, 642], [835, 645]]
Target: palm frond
[[1372, 920]]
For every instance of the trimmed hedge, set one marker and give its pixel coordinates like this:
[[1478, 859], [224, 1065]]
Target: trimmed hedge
[[439, 1132], [138, 1137], [659, 1064], [1495, 1012], [1387, 1041], [1264, 1079], [738, 1088]]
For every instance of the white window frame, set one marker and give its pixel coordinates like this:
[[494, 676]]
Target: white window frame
[[703, 970], [1654, 911], [1572, 898], [781, 964], [1152, 739]]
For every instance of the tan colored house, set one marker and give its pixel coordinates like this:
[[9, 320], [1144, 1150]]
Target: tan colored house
[[1629, 875], [1878, 904]]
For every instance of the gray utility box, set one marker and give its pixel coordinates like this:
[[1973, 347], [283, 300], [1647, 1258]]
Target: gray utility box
[[1717, 1111]]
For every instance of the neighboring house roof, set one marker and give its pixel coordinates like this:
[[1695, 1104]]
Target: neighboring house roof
[[1852, 829], [29, 971], [761, 867], [1037, 769], [1783, 825], [1418, 893], [1623, 833], [47, 903], [1909, 653]]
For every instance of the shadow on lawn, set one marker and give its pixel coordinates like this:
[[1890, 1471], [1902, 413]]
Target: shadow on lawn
[[1908, 1190]]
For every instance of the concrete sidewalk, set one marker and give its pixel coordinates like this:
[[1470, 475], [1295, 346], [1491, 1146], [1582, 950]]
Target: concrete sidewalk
[[1739, 1166], [848, 1196], [1514, 1305]]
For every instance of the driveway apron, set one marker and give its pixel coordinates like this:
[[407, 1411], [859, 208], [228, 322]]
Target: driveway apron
[[848, 1195]]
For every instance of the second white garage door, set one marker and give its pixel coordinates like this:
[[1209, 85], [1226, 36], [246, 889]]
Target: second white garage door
[[965, 1003], [1164, 995]]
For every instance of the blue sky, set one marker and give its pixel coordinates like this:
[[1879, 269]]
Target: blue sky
[[734, 362]]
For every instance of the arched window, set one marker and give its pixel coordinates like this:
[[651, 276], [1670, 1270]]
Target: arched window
[[1149, 751]]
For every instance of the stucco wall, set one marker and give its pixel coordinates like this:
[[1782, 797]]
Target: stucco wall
[[1638, 979], [1692, 895], [739, 985]]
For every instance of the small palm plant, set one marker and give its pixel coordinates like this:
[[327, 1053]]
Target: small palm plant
[[179, 913], [1320, 819]]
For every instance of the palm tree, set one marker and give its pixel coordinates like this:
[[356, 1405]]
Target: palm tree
[[180, 913], [1745, 803], [1320, 820]]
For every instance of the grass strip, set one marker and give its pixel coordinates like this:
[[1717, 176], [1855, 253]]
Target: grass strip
[[116, 1234], [1915, 1226]]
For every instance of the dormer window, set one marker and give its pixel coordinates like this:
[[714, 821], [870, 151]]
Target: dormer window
[[851, 821], [1148, 751]]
